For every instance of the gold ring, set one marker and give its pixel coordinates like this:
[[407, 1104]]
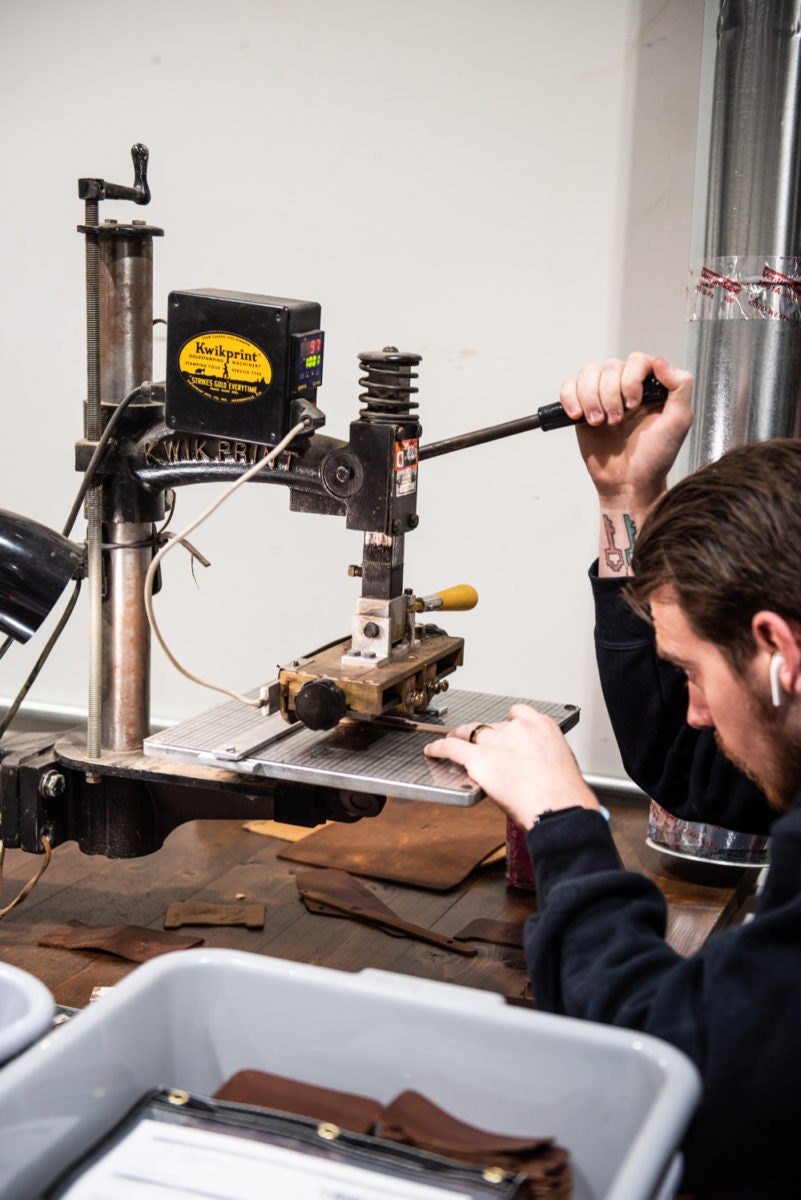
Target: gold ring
[[475, 731]]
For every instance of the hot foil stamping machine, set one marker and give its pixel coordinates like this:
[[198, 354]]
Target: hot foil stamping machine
[[339, 729]]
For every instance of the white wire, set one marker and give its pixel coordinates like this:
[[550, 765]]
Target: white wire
[[180, 537]]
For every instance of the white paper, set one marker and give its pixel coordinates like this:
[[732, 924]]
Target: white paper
[[161, 1161]]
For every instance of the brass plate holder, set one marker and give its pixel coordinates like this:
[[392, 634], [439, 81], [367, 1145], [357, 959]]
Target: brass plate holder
[[406, 684]]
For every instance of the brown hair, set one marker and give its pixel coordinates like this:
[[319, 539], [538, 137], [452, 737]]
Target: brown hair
[[727, 539]]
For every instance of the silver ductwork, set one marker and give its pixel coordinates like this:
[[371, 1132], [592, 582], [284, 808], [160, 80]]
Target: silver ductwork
[[744, 295]]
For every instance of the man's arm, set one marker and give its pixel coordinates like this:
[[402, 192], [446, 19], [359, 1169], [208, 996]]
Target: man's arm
[[596, 950], [628, 449]]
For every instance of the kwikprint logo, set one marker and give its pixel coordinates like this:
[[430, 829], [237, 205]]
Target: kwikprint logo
[[225, 367]]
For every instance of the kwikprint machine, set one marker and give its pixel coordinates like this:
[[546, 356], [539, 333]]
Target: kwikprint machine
[[342, 726]]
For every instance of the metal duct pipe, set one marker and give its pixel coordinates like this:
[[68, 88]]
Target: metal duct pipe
[[744, 298]]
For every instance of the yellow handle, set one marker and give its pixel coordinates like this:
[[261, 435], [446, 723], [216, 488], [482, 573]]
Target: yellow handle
[[454, 599]]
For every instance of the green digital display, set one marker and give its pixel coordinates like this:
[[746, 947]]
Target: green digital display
[[309, 371]]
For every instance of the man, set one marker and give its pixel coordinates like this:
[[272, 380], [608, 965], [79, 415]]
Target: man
[[628, 462], [717, 569]]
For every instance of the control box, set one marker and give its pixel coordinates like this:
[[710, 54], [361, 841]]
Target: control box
[[236, 362]]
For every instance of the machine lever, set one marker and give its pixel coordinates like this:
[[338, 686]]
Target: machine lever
[[549, 416], [98, 189], [460, 598]]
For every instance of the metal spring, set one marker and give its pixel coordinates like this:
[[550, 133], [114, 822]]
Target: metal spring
[[387, 383]]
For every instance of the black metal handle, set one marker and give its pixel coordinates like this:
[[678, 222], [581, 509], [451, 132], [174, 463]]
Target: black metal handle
[[98, 189], [550, 416], [553, 416]]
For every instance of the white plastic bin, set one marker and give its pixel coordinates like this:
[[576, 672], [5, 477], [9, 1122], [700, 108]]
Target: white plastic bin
[[26, 1010], [619, 1101]]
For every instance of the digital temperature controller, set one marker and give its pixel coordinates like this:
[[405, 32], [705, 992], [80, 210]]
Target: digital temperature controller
[[309, 368]]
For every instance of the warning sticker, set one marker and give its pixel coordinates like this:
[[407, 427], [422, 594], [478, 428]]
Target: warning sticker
[[406, 467], [224, 367]]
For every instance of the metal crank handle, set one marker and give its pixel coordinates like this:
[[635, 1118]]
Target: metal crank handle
[[549, 416]]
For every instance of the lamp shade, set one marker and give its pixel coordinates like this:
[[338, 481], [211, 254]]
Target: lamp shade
[[36, 565]]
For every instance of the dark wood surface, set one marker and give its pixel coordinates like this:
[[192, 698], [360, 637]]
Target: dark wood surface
[[222, 862]]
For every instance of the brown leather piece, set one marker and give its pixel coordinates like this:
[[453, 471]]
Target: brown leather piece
[[133, 942], [337, 893], [499, 933], [427, 845], [195, 912], [414, 1120], [265, 1090]]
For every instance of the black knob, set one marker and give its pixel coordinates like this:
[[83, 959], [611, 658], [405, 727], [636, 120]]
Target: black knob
[[320, 704]]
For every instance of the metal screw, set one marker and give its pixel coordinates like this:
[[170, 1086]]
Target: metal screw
[[52, 785], [343, 474], [413, 520], [371, 630]]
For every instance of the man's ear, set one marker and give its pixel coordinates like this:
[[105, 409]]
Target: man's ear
[[775, 635]]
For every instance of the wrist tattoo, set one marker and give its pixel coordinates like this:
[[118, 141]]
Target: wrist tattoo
[[615, 557]]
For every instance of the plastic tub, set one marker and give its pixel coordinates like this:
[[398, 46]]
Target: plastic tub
[[618, 1100], [26, 1010]]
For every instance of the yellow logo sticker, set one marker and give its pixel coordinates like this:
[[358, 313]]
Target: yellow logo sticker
[[224, 367]]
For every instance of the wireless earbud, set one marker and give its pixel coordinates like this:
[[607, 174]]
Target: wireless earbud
[[776, 664]]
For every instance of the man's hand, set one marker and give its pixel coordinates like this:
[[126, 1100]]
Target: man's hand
[[629, 449], [524, 764]]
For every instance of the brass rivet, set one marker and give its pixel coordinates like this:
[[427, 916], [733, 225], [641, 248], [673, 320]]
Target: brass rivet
[[494, 1174], [178, 1096], [328, 1131]]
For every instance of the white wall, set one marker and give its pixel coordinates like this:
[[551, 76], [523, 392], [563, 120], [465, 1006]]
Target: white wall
[[503, 186]]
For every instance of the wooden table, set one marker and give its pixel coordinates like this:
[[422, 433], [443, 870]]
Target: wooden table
[[218, 861]]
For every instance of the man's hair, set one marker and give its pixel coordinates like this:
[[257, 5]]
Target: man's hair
[[727, 540]]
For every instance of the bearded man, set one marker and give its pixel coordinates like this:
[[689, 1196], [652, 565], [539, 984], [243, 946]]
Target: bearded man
[[714, 588]]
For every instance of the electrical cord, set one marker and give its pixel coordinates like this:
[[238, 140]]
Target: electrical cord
[[88, 476], [179, 538], [31, 884], [41, 660], [97, 455]]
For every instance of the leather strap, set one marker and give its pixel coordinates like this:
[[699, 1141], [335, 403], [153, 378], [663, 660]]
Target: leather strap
[[338, 891]]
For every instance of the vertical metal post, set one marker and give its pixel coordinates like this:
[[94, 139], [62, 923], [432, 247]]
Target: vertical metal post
[[94, 498], [126, 311], [744, 331], [119, 340]]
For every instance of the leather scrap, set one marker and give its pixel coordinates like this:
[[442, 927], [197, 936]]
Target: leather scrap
[[499, 933], [195, 912], [345, 896], [265, 1090], [414, 1120], [426, 845], [132, 942]]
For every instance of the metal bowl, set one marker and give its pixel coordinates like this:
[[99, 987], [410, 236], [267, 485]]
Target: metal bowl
[[705, 843]]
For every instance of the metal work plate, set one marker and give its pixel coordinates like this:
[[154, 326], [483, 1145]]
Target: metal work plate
[[358, 757]]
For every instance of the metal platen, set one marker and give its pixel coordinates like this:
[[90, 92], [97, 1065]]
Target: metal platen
[[367, 758]]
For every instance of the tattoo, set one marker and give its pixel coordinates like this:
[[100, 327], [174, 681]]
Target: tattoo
[[614, 557], [631, 534]]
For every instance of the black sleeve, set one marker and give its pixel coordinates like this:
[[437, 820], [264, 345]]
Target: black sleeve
[[679, 767], [596, 950]]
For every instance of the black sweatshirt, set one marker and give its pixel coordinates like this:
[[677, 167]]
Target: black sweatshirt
[[596, 948]]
